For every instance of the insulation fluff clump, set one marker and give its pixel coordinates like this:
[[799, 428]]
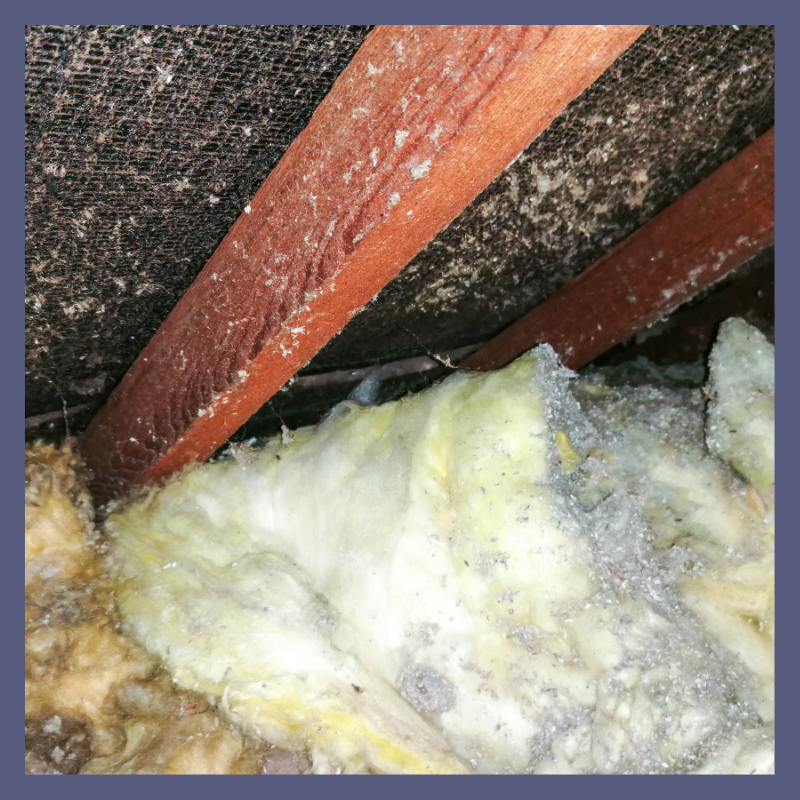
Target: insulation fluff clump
[[501, 574], [741, 415]]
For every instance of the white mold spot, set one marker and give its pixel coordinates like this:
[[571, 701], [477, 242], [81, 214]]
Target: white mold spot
[[164, 75], [421, 170], [55, 169], [437, 131]]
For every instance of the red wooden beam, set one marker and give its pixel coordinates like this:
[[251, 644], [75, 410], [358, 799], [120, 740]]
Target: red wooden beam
[[417, 125], [690, 331], [713, 228]]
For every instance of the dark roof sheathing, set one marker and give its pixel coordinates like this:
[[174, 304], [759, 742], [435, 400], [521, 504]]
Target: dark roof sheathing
[[142, 147], [674, 107], [139, 159]]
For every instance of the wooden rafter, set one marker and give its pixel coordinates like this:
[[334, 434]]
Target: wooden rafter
[[417, 125], [713, 228]]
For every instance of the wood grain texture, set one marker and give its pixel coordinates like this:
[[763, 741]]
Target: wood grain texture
[[710, 230], [689, 333], [417, 125]]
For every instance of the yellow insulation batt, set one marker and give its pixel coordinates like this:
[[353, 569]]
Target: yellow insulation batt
[[500, 574]]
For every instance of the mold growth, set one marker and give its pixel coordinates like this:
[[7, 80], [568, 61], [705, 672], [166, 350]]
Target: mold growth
[[121, 164], [672, 109]]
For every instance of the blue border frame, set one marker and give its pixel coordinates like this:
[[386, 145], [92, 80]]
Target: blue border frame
[[788, 277]]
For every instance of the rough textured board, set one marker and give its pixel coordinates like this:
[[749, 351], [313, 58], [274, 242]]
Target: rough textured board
[[688, 334], [707, 232], [418, 124]]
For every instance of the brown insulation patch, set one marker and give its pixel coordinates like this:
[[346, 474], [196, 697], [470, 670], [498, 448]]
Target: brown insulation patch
[[95, 702]]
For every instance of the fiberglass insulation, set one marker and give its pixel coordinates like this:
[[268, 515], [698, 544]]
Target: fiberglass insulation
[[96, 702], [500, 574]]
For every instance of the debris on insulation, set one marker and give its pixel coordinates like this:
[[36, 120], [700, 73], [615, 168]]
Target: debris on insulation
[[95, 701], [511, 572]]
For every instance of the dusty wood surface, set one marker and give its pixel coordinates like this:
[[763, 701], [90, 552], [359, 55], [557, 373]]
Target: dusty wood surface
[[687, 334], [417, 125], [713, 228]]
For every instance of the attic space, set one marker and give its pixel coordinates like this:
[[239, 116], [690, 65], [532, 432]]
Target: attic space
[[144, 144], [400, 399]]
